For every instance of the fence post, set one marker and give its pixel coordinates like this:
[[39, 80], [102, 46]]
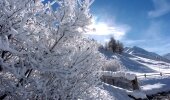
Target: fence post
[[145, 75], [161, 73]]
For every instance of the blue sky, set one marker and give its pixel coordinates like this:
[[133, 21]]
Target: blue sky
[[143, 23]]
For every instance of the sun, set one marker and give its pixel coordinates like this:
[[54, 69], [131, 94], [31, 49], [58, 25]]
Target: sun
[[101, 28], [98, 28]]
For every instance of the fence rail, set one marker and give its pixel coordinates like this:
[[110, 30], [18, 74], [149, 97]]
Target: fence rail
[[153, 74]]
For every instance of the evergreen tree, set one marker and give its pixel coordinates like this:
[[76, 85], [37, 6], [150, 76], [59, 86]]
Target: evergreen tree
[[114, 46]]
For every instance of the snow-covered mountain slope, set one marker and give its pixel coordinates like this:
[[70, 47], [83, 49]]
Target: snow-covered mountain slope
[[140, 62], [167, 56], [137, 51]]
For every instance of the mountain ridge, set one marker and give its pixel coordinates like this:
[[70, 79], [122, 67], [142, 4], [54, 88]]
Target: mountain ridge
[[139, 60], [167, 56], [137, 51]]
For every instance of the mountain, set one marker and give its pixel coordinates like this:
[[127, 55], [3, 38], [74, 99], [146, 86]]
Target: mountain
[[137, 51], [139, 60], [167, 56]]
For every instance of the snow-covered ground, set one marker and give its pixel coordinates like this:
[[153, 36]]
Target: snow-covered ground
[[154, 85], [117, 93], [141, 62], [157, 74], [157, 66]]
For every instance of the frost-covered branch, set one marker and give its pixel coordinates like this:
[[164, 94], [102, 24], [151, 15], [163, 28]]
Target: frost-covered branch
[[43, 55]]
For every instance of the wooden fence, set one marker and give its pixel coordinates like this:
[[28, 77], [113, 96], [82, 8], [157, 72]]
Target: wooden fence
[[153, 74]]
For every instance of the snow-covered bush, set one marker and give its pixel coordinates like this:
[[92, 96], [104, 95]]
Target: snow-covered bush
[[43, 54], [112, 65]]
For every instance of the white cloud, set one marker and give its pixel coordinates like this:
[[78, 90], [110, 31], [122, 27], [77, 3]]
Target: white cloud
[[105, 29], [162, 7]]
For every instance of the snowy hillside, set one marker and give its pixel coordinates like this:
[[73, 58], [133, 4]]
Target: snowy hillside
[[137, 51], [167, 56], [138, 60], [144, 65], [141, 62]]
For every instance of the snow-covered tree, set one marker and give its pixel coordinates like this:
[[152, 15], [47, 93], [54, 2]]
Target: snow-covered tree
[[43, 54]]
